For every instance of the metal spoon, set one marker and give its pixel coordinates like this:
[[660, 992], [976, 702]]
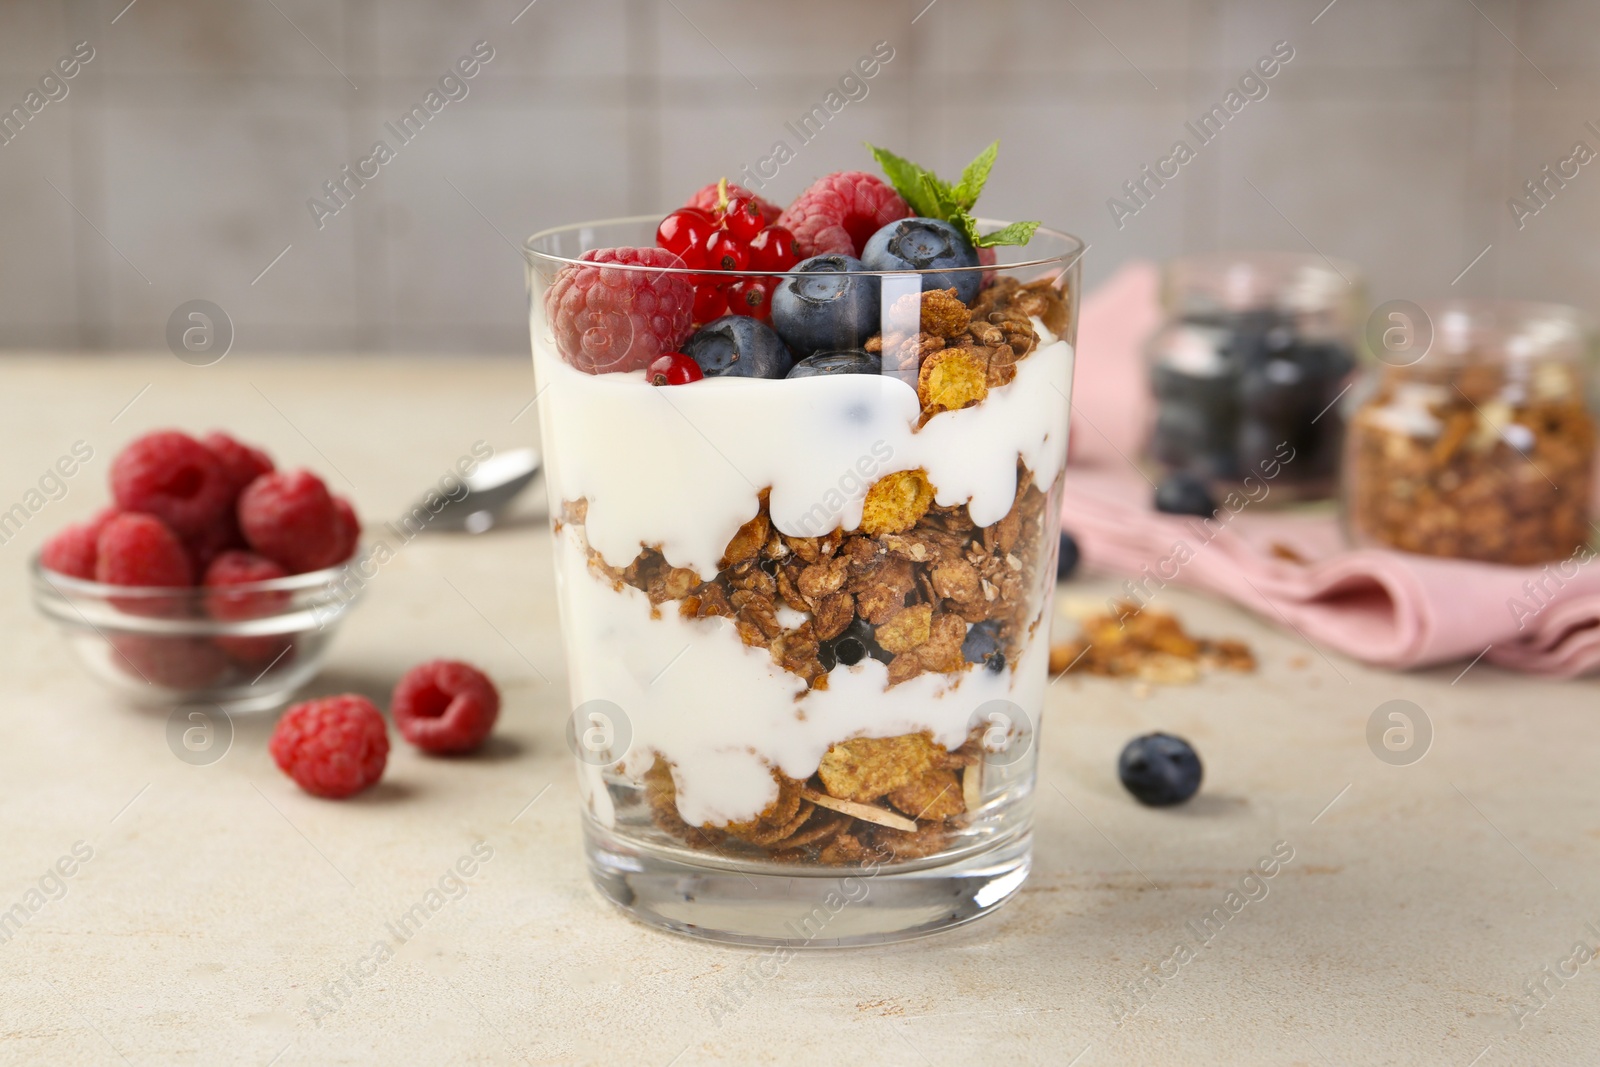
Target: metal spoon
[[490, 489]]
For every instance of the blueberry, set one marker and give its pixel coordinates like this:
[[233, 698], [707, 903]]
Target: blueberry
[[737, 346], [982, 643], [851, 647], [849, 361], [1182, 493], [832, 309], [926, 244], [1066, 557], [1160, 770]]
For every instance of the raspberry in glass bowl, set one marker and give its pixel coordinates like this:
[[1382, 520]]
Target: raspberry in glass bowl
[[247, 647], [214, 579]]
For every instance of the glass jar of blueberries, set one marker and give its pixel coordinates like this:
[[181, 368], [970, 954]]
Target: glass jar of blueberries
[[1247, 369]]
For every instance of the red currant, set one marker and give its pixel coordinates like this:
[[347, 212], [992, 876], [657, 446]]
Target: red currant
[[709, 303], [773, 249], [674, 368], [684, 233], [752, 297], [723, 252], [743, 218]]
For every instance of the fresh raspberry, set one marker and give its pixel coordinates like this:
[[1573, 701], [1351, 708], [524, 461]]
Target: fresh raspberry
[[708, 200], [72, 549], [187, 663], [445, 706], [208, 544], [334, 747], [136, 549], [349, 526], [236, 568], [175, 478], [289, 517], [243, 463], [838, 213], [988, 257], [619, 320]]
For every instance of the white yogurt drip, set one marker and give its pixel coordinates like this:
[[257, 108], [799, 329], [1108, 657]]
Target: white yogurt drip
[[682, 468]]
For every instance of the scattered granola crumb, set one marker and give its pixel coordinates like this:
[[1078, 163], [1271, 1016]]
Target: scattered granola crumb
[[1150, 646]]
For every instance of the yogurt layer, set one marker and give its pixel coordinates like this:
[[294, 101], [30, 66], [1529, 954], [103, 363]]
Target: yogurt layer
[[682, 468]]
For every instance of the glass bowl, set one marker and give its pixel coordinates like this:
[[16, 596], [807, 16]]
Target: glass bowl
[[807, 619], [247, 647]]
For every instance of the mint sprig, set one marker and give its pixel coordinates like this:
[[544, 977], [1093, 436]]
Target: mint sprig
[[931, 197]]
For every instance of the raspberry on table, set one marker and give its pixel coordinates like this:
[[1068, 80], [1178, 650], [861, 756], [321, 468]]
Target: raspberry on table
[[334, 747], [175, 478], [290, 518], [608, 320], [445, 706], [838, 213], [136, 549], [72, 549], [708, 199], [234, 568], [243, 463]]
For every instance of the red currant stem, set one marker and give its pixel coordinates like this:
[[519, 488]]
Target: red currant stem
[[722, 194]]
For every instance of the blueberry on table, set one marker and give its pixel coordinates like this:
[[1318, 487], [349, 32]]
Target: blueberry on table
[[926, 244], [855, 644], [829, 306], [1182, 493], [1066, 557], [737, 346], [1160, 770], [826, 364]]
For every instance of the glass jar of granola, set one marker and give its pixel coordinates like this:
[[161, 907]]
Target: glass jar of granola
[[1483, 446], [806, 610], [1246, 370]]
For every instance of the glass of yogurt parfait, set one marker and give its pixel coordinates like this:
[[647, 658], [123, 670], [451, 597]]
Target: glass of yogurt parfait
[[805, 553]]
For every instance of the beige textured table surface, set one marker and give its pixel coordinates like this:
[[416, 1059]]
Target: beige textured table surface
[[220, 902]]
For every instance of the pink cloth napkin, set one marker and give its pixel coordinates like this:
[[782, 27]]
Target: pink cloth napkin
[[1383, 607]]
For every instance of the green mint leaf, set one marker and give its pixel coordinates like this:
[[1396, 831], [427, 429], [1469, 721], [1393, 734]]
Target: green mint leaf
[[1018, 233], [976, 176], [932, 198], [906, 177]]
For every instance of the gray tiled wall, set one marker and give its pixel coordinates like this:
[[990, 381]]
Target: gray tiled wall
[[185, 151]]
